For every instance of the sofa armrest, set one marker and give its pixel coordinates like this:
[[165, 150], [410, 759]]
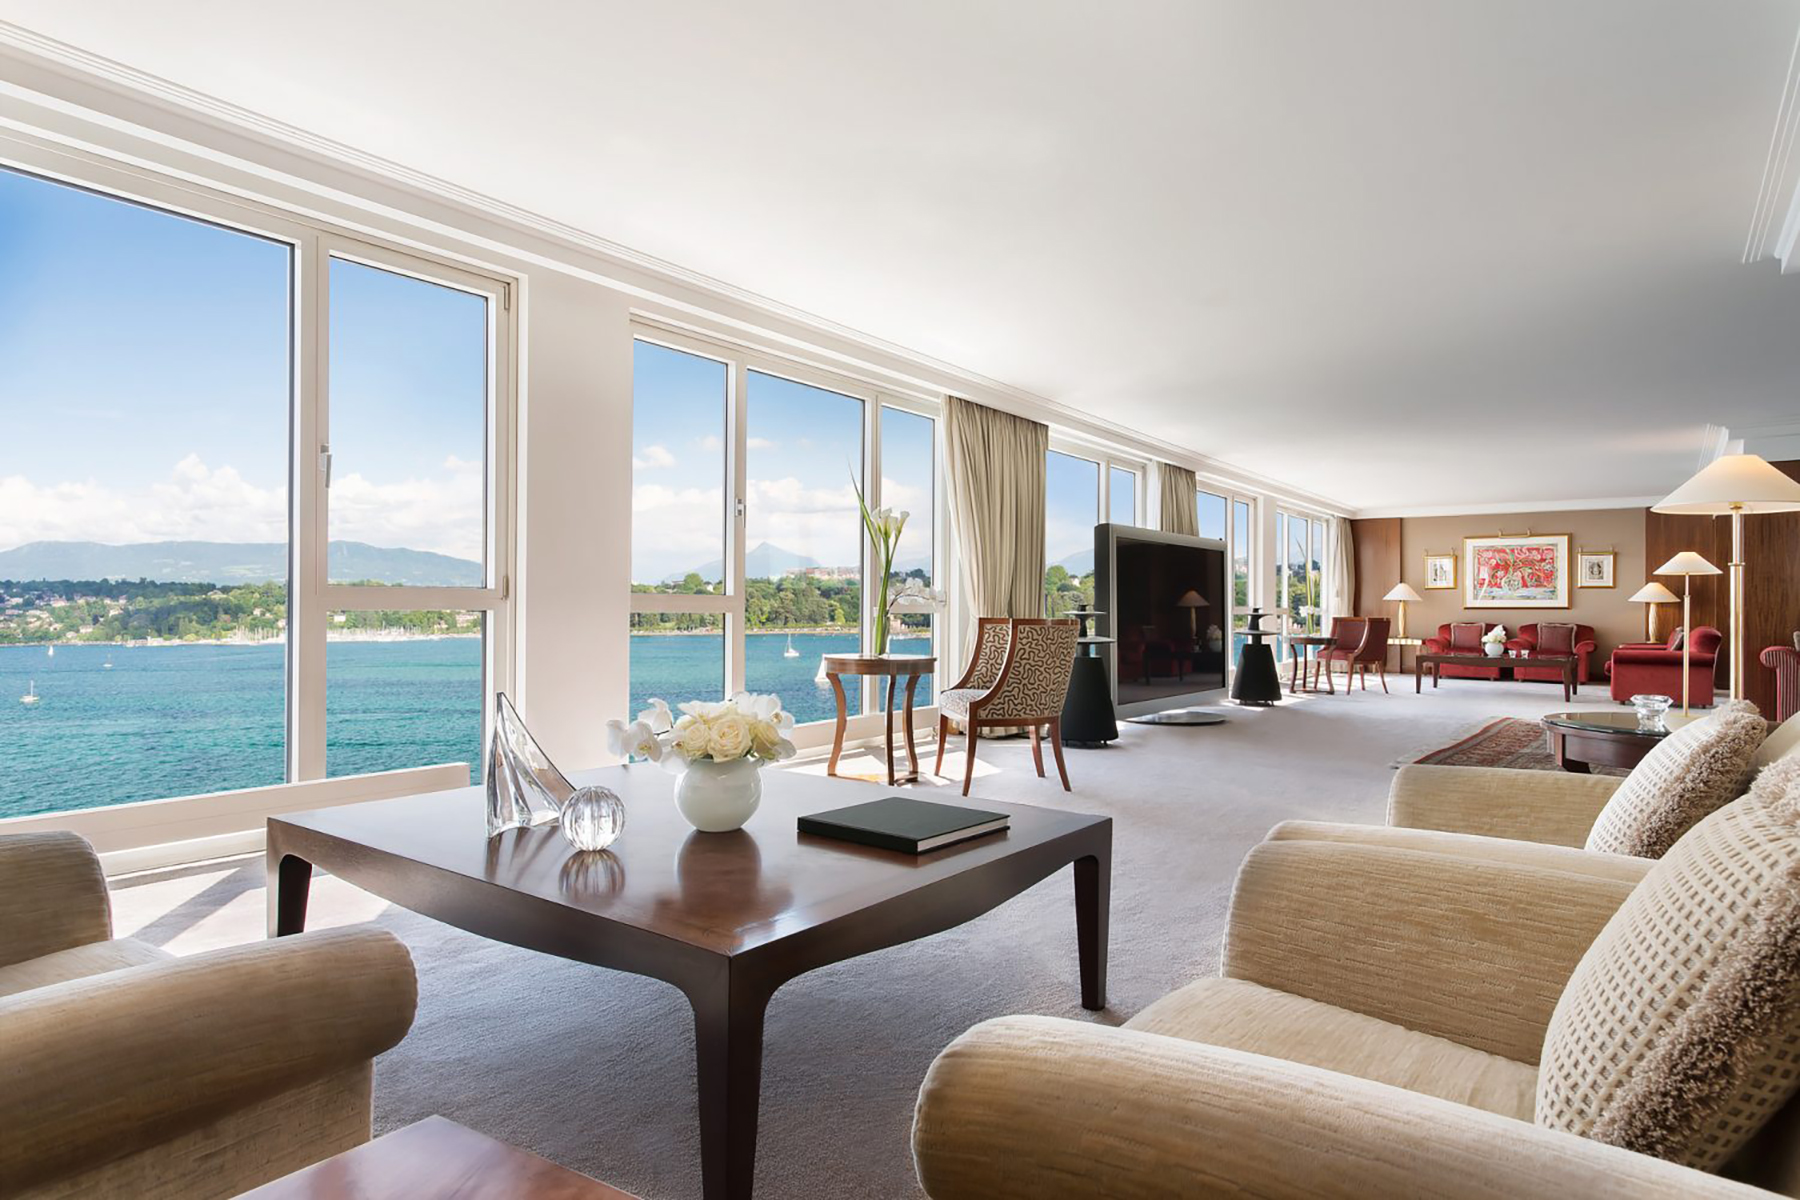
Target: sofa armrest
[[102, 1067], [1043, 1108], [52, 895], [1477, 952], [1434, 645], [1587, 647], [1557, 807], [1643, 656], [1520, 644], [1625, 868]]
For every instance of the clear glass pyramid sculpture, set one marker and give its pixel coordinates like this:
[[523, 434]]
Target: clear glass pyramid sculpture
[[524, 788]]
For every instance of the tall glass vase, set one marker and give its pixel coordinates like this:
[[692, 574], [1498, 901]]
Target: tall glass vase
[[524, 787]]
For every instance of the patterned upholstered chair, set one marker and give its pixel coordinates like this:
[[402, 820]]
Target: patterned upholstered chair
[[1370, 650], [130, 1072], [1785, 662], [1035, 657]]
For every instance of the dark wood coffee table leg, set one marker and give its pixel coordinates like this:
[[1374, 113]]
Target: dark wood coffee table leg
[[1093, 908], [289, 881], [912, 751], [1418, 676], [843, 716], [728, 1045]]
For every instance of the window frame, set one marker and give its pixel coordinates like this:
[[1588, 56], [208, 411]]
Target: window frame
[[121, 828]]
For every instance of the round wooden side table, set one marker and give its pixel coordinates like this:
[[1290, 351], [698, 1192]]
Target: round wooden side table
[[893, 667], [1581, 740]]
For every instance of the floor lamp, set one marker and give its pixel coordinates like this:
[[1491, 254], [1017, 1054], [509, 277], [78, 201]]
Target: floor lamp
[[1734, 485], [1651, 595], [1687, 564]]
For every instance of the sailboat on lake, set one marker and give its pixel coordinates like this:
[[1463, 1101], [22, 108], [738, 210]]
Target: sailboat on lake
[[790, 652], [30, 696]]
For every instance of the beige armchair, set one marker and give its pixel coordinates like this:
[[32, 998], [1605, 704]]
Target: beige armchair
[[1376, 1030], [1018, 678], [133, 1073]]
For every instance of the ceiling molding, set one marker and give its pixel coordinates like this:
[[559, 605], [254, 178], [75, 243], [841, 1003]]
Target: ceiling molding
[[124, 100], [1598, 504], [1775, 222]]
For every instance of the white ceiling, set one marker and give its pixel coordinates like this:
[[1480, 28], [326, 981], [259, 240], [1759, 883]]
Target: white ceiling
[[1404, 253]]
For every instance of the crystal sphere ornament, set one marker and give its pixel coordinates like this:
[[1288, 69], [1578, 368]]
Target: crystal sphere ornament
[[593, 818]]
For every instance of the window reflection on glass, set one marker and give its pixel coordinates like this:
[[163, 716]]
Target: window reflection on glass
[[1122, 502], [677, 470], [1211, 509], [803, 568], [404, 689], [408, 418], [908, 453], [1071, 510]]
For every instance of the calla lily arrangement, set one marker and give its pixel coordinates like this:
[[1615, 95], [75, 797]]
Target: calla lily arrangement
[[884, 526], [746, 726]]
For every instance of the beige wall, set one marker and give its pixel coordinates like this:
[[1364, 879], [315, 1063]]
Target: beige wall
[[1613, 617]]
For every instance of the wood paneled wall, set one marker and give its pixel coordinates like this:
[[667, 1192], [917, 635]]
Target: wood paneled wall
[[1771, 581], [1377, 562]]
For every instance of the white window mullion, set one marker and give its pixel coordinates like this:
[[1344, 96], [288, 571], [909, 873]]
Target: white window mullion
[[307, 550], [737, 525]]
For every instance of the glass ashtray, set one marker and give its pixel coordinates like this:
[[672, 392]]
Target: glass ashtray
[[1650, 709]]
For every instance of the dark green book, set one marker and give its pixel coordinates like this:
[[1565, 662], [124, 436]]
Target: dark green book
[[899, 823]]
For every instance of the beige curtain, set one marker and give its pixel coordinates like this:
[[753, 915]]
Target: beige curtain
[[995, 465], [1179, 498], [1340, 570]]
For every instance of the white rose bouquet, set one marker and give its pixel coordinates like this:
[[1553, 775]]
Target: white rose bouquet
[[745, 726]]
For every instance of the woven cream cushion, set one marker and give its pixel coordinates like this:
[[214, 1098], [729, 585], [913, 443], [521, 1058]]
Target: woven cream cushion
[[1678, 1032], [1696, 770], [1783, 741]]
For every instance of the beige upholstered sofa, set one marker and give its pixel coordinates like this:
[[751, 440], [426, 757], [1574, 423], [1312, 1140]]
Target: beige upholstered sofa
[[127, 1072], [1392, 1021]]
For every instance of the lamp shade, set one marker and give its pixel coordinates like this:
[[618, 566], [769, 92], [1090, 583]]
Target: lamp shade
[[1654, 593], [1688, 563], [1745, 482], [1401, 591], [1192, 599]]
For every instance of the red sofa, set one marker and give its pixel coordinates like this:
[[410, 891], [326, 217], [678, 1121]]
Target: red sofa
[[1645, 667], [1460, 637], [1582, 646]]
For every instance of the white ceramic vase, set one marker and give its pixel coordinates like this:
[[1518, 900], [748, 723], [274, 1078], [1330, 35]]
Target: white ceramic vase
[[717, 797], [1494, 649]]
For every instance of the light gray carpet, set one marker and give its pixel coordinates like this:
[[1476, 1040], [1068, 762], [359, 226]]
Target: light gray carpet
[[595, 1069]]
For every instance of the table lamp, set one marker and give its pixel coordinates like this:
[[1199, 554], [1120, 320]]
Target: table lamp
[[1193, 601], [1687, 564], [1650, 595], [1402, 595], [1734, 484]]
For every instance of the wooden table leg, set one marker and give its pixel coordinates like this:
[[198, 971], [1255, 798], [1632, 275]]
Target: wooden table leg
[[843, 716], [892, 680], [289, 881], [728, 1037], [912, 752], [1093, 906], [1418, 676], [1294, 671]]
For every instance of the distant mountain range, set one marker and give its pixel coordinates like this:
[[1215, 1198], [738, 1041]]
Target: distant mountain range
[[1079, 563], [230, 563], [769, 561]]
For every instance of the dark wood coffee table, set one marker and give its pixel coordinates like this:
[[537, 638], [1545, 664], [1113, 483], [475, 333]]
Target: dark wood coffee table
[[726, 917], [430, 1160], [1583, 740], [1571, 684]]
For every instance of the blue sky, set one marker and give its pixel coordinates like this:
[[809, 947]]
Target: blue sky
[[803, 454], [144, 384]]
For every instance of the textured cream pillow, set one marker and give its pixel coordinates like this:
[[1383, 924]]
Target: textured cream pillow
[[1696, 770], [1678, 1033], [1783, 741]]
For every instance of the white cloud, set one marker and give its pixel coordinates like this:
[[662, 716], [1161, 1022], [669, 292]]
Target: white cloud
[[710, 442], [757, 443], [653, 458], [200, 503]]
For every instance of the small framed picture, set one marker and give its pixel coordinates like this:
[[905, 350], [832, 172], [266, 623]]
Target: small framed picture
[[1594, 568], [1440, 572]]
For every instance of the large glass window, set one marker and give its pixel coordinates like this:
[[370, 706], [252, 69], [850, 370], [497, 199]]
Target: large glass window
[[1122, 502], [1300, 545], [908, 484], [678, 433], [145, 385], [676, 656], [1071, 510], [155, 426], [409, 415], [1211, 509], [1241, 558]]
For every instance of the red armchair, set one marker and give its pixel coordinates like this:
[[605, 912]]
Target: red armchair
[[1368, 638], [1463, 637], [1785, 662], [1559, 640], [1646, 667]]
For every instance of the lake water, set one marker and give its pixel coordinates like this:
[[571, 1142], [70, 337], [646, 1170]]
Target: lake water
[[176, 720]]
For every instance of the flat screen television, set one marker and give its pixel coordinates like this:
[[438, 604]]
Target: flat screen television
[[1167, 607]]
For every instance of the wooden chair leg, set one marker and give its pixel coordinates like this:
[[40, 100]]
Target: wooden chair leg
[[943, 736], [1382, 671], [969, 768], [1037, 751], [1056, 749]]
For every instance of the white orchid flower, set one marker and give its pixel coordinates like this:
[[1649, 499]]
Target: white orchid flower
[[657, 717], [757, 706], [704, 709], [615, 739], [641, 740]]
